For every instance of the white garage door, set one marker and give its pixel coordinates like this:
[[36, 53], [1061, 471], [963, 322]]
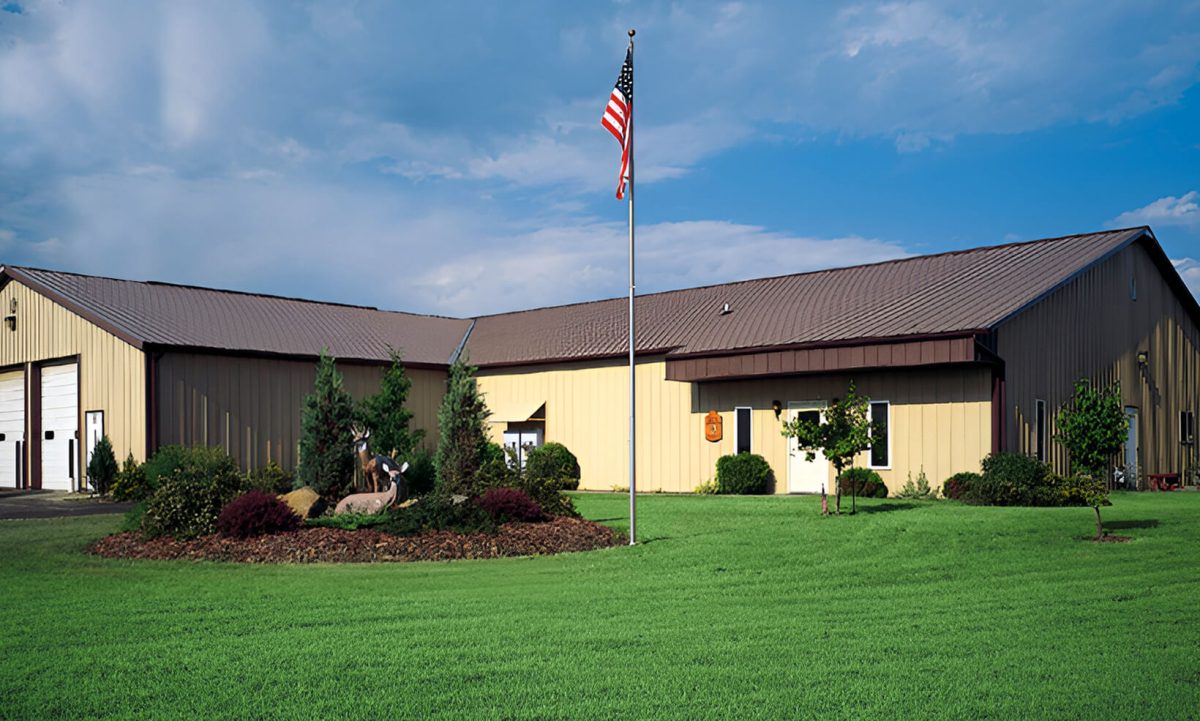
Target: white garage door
[[12, 428], [60, 426]]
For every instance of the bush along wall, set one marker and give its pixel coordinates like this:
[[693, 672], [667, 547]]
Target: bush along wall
[[863, 482], [743, 474]]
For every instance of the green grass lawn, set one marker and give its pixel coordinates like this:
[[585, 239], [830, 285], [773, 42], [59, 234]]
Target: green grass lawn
[[730, 608]]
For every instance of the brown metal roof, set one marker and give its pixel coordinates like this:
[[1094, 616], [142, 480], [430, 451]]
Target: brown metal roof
[[935, 295], [160, 314], [940, 294]]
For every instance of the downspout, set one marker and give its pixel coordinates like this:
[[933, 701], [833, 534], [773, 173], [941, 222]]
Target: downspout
[[151, 402]]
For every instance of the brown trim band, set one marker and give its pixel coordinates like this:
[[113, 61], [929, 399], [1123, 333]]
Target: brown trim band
[[907, 354], [268, 355], [35, 427]]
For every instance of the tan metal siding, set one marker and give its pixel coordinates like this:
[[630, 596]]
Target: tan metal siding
[[940, 418], [111, 372], [251, 406], [1093, 328]]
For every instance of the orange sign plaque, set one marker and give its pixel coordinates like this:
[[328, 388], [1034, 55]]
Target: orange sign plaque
[[712, 427]]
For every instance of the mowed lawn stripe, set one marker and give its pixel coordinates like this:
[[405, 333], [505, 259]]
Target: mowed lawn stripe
[[730, 608]]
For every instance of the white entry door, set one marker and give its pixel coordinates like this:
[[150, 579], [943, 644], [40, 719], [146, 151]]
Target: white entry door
[[1132, 466], [805, 476], [12, 428], [60, 426]]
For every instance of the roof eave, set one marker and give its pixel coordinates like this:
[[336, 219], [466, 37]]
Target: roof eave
[[13, 273]]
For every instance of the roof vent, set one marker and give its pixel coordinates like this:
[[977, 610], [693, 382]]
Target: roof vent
[[726, 309]]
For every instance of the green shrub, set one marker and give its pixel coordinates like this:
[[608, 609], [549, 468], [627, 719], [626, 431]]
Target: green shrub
[[743, 474], [498, 469], [131, 484], [420, 476], [959, 485], [271, 478], [102, 469], [708, 488], [165, 461], [1078, 489], [186, 504], [919, 490], [431, 513], [1013, 479], [133, 518], [547, 495], [863, 482], [554, 462]]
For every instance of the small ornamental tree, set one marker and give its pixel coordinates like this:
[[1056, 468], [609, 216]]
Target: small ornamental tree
[[102, 469], [386, 415], [1093, 428], [326, 442], [845, 432], [462, 431]]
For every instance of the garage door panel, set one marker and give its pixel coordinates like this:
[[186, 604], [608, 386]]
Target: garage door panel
[[60, 426], [12, 427]]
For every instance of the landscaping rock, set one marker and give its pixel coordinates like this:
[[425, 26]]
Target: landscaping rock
[[316, 545], [301, 501]]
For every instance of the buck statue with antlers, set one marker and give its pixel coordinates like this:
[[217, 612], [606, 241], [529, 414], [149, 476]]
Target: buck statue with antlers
[[376, 468]]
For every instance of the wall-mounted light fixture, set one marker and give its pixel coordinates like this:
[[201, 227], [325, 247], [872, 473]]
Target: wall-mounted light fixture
[[10, 321], [777, 407], [1143, 359]]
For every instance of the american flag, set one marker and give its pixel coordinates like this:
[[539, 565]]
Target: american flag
[[617, 116]]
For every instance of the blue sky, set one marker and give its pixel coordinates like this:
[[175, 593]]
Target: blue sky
[[449, 159]]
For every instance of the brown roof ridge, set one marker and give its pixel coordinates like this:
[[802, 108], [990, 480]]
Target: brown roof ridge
[[894, 261], [227, 291]]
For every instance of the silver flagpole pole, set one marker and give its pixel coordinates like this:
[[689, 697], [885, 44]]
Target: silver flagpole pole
[[632, 337]]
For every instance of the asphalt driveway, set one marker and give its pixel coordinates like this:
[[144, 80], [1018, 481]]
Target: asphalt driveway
[[52, 504]]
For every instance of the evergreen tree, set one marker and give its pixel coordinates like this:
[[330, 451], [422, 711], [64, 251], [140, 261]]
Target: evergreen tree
[[326, 442], [102, 468], [462, 430], [385, 415]]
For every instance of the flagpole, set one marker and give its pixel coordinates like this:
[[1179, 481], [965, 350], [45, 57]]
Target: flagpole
[[632, 339]]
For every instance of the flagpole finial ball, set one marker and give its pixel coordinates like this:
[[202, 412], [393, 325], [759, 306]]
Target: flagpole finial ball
[[632, 32]]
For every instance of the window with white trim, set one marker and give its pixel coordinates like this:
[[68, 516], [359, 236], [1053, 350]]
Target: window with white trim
[[741, 429], [881, 422], [1039, 443]]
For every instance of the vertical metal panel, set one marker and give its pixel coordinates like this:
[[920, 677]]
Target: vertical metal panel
[[1093, 328], [111, 372], [941, 418], [252, 406]]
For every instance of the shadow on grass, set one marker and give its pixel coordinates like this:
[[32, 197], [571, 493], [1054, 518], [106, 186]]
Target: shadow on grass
[[1114, 525], [886, 507]]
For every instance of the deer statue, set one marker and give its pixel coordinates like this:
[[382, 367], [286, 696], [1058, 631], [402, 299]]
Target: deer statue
[[376, 468], [371, 502]]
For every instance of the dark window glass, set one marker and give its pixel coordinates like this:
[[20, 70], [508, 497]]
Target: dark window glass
[[1041, 431], [743, 430], [1187, 427], [879, 423]]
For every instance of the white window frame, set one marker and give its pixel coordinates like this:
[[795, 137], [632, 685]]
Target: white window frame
[[870, 415], [1041, 445], [737, 429]]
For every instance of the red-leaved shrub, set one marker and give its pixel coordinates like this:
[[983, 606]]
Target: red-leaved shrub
[[255, 514], [959, 485], [510, 504]]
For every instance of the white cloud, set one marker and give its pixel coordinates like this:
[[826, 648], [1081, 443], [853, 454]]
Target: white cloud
[[588, 260], [1182, 211], [1189, 270]]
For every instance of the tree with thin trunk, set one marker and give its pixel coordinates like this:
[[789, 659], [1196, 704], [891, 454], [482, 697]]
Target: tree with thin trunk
[[845, 432], [1093, 428]]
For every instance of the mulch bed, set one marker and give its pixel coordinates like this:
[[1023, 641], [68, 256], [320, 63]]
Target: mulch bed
[[325, 545], [1109, 538]]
